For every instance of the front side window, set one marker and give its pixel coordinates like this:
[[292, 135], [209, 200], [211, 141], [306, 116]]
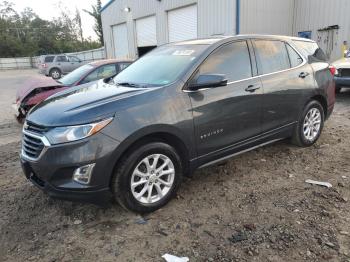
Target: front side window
[[101, 72], [271, 56], [294, 57], [61, 58], [74, 59], [122, 66], [232, 60]]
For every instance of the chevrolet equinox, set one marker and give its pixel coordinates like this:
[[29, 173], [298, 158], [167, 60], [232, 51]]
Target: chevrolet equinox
[[182, 106]]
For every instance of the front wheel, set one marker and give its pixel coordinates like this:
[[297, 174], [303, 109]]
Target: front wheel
[[310, 125], [148, 177]]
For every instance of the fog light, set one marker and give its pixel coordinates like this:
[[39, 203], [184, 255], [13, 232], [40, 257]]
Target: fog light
[[83, 174]]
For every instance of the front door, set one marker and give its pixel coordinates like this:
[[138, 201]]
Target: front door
[[227, 115]]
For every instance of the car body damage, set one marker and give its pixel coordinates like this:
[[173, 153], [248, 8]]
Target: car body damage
[[34, 91]]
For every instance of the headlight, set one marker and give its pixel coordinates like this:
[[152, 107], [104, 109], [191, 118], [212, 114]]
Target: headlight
[[66, 134]]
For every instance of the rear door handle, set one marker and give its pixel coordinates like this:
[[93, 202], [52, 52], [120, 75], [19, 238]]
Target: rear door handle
[[303, 74], [252, 88]]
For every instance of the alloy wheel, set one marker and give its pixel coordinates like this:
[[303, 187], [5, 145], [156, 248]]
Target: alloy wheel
[[55, 74], [152, 179], [312, 124]]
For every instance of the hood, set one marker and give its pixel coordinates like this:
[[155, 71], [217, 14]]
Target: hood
[[33, 83], [342, 63], [82, 104]]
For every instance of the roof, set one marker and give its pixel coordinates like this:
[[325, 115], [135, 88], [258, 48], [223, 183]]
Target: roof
[[216, 39], [106, 5], [204, 41], [109, 61]]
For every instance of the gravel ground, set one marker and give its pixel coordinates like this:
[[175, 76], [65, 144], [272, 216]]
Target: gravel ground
[[255, 207]]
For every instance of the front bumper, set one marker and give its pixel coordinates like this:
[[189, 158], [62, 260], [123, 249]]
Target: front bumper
[[342, 81], [53, 171]]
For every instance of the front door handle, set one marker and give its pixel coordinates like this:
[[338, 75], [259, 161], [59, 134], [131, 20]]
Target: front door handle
[[303, 74], [252, 88]]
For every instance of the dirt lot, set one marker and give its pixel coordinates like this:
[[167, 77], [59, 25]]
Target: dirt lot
[[256, 207]]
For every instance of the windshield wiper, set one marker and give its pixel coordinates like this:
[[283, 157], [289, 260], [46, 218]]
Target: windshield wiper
[[128, 84]]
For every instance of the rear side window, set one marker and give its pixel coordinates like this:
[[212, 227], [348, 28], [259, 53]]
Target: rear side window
[[311, 50], [49, 59], [232, 60], [271, 56], [61, 58], [294, 57]]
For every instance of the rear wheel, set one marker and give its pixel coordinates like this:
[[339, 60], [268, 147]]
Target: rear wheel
[[310, 125], [55, 73], [147, 178]]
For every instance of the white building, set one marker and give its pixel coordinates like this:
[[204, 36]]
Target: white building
[[133, 27]]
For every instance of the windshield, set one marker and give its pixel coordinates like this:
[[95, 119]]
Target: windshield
[[162, 66], [76, 75]]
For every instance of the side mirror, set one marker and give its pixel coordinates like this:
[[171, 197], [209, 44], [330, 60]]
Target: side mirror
[[208, 81]]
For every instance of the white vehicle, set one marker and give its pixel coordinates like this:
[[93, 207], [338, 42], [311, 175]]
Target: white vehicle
[[342, 75]]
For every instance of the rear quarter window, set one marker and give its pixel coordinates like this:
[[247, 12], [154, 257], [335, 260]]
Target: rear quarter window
[[311, 50], [49, 59]]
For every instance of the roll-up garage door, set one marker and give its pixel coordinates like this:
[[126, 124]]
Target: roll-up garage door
[[120, 37], [182, 23], [146, 31]]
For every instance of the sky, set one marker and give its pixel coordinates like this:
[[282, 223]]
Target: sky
[[47, 9]]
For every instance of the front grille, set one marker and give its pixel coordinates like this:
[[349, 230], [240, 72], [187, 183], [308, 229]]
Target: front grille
[[32, 140], [32, 146], [31, 127], [344, 72]]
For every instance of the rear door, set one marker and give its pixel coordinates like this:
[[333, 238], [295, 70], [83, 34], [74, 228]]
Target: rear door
[[62, 63], [227, 115], [286, 77]]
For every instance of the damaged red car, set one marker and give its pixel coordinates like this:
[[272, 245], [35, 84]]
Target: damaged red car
[[38, 88]]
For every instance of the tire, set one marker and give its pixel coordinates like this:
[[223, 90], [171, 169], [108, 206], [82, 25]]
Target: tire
[[299, 137], [55, 73], [131, 166], [337, 89]]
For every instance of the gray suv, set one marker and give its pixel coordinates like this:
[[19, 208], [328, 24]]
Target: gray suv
[[58, 65], [181, 107]]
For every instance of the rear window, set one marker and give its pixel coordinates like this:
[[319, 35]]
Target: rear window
[[49, 59], [311, 50]]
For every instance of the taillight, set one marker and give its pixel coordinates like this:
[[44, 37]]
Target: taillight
[[43, 65], [333, 70]]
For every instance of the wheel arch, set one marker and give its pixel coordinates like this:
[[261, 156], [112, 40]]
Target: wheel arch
[[168, 137], [323, 101]]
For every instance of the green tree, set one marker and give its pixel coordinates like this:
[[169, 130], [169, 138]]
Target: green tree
[[96, 14], [26, 34]]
